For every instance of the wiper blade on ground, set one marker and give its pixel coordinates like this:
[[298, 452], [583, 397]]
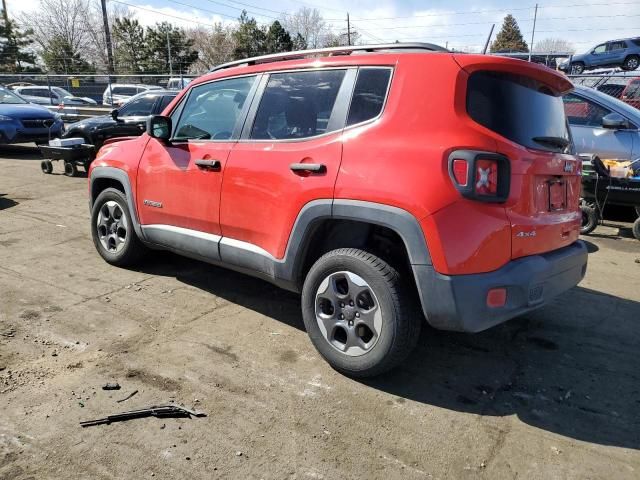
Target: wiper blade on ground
[[153, 411]]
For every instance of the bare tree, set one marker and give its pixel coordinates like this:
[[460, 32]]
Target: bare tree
[[309, 24], [214, 45], [554, 45]]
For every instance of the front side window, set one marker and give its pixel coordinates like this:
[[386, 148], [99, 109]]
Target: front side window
[[582, 112], [212, 110], [138, 107], [297, 104], [368, 95], [166, 100], [519, 108], [600, 49]]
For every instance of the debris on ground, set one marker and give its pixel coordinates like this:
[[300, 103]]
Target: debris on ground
[[159, 411], [111, 386], [127, 397]]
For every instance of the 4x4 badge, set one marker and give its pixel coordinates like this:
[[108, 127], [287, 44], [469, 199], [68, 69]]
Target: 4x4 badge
[[151, 203]]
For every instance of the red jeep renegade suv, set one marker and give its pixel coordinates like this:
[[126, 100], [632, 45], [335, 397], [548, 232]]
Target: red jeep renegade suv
[[374, 180]]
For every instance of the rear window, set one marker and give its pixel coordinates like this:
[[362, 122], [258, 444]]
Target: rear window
[[124, 90], [518, 108]]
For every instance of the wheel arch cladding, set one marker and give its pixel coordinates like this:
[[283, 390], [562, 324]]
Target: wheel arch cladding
[[106, 177]]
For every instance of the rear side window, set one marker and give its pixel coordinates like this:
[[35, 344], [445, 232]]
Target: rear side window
[[369, 94], [617, 45], [297, 104], [124, 90], [518, 108]]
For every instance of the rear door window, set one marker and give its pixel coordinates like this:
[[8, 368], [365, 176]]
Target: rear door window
[[139, 107], [369, 94], [297, 105], [518, 108]]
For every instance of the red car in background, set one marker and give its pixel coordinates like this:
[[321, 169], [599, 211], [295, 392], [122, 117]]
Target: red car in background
[[631, 93]]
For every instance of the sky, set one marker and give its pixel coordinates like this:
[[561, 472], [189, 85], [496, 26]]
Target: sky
[[463, 24]]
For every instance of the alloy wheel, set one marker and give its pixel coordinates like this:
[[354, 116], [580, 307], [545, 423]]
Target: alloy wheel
[[112, 226], [348, 313]]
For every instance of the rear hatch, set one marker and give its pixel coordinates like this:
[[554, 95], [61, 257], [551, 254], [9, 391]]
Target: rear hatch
[[520, 106]]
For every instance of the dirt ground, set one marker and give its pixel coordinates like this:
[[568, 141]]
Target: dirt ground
[[554, 394]]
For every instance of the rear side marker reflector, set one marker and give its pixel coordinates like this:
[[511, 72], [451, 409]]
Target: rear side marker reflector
[[460, 171], [497, 297]]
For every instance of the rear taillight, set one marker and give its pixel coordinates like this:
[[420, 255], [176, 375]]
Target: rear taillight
[[483, 176]]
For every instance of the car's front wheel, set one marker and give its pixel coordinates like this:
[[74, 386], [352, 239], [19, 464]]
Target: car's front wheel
[[359, 312], [112, 229], [577, 68]]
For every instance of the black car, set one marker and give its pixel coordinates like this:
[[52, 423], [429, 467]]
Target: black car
[[127, 121]]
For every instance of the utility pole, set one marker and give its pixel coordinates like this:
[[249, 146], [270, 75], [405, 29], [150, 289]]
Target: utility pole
[[107, 36], [4, 12], [348, 30], [169, 52], [533, 32]]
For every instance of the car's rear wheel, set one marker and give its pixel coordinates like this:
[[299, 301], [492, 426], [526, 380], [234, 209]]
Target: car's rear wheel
[[636, 228], [359, 312], [632, 62], [112, 229]]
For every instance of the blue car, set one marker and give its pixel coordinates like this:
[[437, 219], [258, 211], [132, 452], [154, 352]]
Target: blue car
[[23, 122], [623, 53]]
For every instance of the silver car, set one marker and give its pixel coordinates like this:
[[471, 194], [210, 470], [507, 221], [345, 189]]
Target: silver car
[[602, 125]]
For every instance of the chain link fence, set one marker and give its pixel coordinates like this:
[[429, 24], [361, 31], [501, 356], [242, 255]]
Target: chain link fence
[[624, 86]]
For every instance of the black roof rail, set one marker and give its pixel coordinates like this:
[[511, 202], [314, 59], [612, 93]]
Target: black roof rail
[[331, 51]]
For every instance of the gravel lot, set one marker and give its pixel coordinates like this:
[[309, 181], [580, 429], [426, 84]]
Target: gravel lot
[[555, 394]]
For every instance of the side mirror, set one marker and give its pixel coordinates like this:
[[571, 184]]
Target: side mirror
[[114, 114], [159, 127], [614, 121]]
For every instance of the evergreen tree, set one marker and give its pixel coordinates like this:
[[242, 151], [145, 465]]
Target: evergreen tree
[[157, 47], [14, 56], [509, 38], [249, 38], [277, 39], [59, 57], [299, 43], [128, 46]]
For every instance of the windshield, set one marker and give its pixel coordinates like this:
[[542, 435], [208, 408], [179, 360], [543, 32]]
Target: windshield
[[10, 98], [519, 108]]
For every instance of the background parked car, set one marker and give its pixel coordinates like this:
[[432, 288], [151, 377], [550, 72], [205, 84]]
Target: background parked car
[[178, 83], [602, 125], [128, 120], [21, 121], [616, 53], [44, 95], [119, 93]]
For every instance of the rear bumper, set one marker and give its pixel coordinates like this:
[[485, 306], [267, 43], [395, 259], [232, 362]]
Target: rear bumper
[[458, 302]]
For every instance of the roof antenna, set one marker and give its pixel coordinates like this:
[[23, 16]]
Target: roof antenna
[[486, 44]]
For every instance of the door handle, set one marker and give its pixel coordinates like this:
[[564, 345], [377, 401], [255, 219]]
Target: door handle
[[308, 167], [208, 164]]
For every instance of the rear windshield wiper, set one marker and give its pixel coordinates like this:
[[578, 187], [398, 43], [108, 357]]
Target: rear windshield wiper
[[556, 142]]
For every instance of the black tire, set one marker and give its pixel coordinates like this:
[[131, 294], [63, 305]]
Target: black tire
[[589, 219], [577, 68], [637, 208], [632, 62], [70, 169], [46, 166], [635, 229], [132, 249], [401, 320]]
